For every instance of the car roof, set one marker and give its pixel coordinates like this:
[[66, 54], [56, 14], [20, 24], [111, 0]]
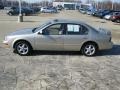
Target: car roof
[[66, 21]]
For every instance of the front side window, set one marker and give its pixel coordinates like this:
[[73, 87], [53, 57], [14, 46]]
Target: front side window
[[74, 29], [55, 29]]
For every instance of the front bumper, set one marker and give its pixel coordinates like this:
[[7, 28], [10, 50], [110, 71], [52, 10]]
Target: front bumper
[[5, 44]]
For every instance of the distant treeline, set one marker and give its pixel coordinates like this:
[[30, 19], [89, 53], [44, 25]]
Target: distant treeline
[[107, 4], [9, 3]]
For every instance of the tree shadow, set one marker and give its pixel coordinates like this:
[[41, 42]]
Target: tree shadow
[[112, 52]]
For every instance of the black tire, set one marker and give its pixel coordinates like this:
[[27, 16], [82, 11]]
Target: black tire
[[10, 14], [43, 12], [118, 21], [86, 49], [23, 51]]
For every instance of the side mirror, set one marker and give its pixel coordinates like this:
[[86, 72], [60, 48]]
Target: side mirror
[[40, 32]]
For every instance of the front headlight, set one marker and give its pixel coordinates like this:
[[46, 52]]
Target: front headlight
[[7, 11], [7, 38]]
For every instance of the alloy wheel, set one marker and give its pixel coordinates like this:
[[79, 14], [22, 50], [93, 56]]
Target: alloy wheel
[[89, 49], [23, 48]]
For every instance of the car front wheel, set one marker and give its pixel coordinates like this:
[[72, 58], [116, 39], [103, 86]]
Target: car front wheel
[[23, 48], [89, 49]]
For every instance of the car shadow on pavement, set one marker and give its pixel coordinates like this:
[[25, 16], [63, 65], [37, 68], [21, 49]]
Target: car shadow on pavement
[[74, 53], [112, 52]]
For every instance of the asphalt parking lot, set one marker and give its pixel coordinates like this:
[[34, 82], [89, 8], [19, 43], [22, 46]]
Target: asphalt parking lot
[[59, 70]]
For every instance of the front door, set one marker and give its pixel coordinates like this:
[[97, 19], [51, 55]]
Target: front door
[[50, 39]]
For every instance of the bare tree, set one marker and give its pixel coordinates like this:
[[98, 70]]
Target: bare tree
[[108, 4]]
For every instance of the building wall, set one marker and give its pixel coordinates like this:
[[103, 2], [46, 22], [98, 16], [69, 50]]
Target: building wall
[[86, 6], [66, 4]]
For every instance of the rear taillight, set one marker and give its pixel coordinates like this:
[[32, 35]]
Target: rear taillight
[[113, 17]]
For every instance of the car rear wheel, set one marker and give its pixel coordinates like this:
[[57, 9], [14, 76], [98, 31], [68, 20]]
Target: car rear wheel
[[89, 49], [23, 48], [118, 20], [10, 14]]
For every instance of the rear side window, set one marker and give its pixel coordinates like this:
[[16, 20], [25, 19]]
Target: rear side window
[[74, 29], [83, 30]]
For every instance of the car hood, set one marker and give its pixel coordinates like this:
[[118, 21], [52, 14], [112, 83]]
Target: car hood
[[107, 15], [22, 32]]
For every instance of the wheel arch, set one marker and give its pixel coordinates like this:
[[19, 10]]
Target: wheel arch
[[20, 41], [97, 46]]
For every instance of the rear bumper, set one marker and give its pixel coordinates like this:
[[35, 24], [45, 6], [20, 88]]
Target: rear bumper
[[110, 45], [105, 46]]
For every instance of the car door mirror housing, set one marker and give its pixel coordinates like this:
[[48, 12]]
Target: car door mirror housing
[[40, 32]]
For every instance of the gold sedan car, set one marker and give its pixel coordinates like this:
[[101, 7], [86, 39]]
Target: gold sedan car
[[60, 35]]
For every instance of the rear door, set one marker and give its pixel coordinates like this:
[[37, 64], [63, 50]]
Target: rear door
[[75, 36]]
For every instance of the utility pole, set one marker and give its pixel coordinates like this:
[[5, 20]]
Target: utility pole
[[113, 4], [97, 4], [102, 4], [20, 16]]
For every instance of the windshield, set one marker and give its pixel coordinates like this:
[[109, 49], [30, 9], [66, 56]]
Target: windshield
[[40, 27]]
